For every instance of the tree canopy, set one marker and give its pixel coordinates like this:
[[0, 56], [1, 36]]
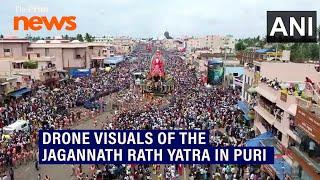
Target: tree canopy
[[300, 52], [79, 37], [167, 35], [88, 37]]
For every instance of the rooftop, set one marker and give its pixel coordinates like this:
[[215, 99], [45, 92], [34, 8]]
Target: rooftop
[[58, 45], [289, 72]]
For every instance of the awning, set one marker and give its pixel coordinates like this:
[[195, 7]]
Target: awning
[[244, 107], [280, 165], [292, 109], [269, 95], [20, 92], [255, 142]]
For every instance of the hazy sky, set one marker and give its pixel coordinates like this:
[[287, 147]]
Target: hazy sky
[[150, 18]]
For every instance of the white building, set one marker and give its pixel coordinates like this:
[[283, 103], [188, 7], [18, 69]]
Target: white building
[[215, 43]]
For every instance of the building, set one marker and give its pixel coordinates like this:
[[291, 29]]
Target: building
[[287, 106], [217, 44], [198, 60], [174, 44], [13, 47], [67, 55], [249, 56], [103, 39], [233, 74], [27, 64]]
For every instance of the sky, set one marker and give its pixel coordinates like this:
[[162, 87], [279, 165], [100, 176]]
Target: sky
[[151, 18]]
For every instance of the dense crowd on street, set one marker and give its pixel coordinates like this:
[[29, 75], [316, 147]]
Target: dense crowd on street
[[190, 106], [54, 108]]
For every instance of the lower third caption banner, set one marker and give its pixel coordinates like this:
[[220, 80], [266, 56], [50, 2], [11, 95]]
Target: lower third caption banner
[[142, 147]]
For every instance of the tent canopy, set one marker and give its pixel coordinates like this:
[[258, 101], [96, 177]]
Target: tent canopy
[[20, 92], [255, 142], [244, 107]]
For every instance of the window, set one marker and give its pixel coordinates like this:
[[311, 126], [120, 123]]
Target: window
[[6, 50], [38, 55], [46, 52], [78, 56], [90, 47]]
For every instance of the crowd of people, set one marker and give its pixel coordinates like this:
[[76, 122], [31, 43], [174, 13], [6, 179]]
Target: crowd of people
[[55, 108], [191, 106]]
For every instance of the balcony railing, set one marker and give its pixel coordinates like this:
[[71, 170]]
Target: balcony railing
[[48, 69], [25, 58], [309, 106]]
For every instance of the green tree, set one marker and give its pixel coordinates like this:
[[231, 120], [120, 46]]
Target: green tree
[[297, 53], [79, 37], [29, 37], [1, 36], [240, 46], [281, 47], [30, 64], [88, 37], [167, 35], [314, 51]]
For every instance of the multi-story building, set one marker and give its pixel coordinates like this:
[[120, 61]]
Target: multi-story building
[[306, 152], [217, 44], [52, 58], [174, 44], [12, 47], [283, 105], [67, 55], [103, 39], [74, 54]]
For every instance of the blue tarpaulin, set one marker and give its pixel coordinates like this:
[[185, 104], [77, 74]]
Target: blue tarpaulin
[[244, 107], [262, 51], [75, 73], [255, 142], [20, 92], [113, 60], [281, 166]]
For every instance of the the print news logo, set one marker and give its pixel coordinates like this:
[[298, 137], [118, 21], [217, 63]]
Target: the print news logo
[[291, 26], [36, 23]]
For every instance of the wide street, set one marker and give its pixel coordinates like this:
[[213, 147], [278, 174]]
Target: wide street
[[59, 172]]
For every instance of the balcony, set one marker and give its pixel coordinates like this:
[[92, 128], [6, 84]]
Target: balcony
[[48, 69], [265, 114], [260, 126], [303, 156]]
